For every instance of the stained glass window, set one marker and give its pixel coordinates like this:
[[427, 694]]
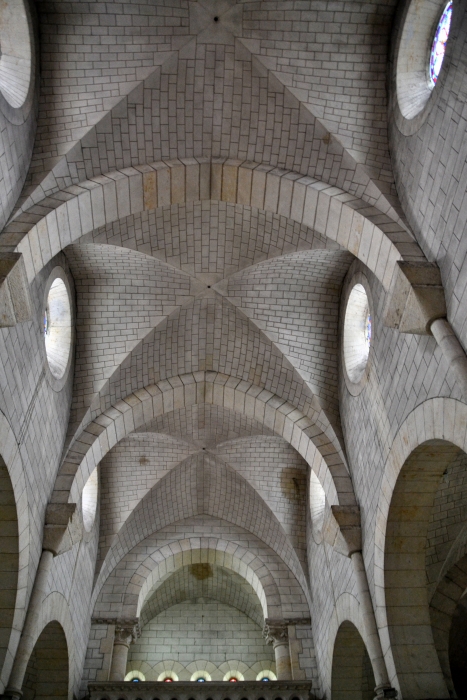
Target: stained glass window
[[438, 47], [368, 330]]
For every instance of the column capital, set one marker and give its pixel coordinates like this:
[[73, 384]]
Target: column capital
[[126, 632], [276, 632]]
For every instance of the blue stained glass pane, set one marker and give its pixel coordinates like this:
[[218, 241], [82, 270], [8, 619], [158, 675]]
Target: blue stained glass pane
[[438, 47], [368, 330]]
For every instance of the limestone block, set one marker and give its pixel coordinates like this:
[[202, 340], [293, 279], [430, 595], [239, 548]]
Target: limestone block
[[62, 528], [416, 298], [342, 529], [15, 301]]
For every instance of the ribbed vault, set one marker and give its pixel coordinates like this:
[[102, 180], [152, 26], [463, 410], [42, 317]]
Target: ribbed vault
[[205, 485], [204, 580], [205, 425], [132, 578]]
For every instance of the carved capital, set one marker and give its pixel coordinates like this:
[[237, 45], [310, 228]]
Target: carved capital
[[125, 635], [276, 632]]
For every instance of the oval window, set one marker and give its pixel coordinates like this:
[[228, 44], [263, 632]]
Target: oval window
[[16, 53], [57, 328], [357, 333], [438, 47]]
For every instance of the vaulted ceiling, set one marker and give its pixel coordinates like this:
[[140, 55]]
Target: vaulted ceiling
[[210, 286]]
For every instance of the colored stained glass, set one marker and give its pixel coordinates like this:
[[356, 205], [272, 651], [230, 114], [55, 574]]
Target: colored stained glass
[[368, 330], [438, 47]]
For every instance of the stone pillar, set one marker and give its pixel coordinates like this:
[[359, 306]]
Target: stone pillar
[[277, 634], [124, 636], [375, 652], [28, 639], [60, 533], [343, 532], [452, 350]]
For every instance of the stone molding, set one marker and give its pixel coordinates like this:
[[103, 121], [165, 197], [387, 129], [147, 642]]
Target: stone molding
[[342, 529], [15, 299], [62, 528], [192, 689], [416, 298]]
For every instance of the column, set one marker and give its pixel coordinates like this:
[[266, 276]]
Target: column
[[383, 687], [345, 535], [277, 634], [452, 350], [124, 636], [28, 639]]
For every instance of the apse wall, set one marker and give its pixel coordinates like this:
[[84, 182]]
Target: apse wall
[[201, 629], [429, 165]]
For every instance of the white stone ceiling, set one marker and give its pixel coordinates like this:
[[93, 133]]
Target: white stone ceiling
[[135, 82], [210, 285], [205, 426], [140, 321]]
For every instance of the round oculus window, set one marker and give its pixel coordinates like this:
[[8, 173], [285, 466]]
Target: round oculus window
[[438, 47], [420, 55], [15, 52], [57, 328], [357, 333]]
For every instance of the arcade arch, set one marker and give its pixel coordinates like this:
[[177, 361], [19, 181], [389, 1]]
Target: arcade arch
[[431, 439], [352, 673], [14, 552], [9, 557], [47, 673]]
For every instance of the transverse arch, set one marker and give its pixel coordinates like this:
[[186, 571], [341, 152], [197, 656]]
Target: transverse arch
[[303, 433], [373, 237]]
